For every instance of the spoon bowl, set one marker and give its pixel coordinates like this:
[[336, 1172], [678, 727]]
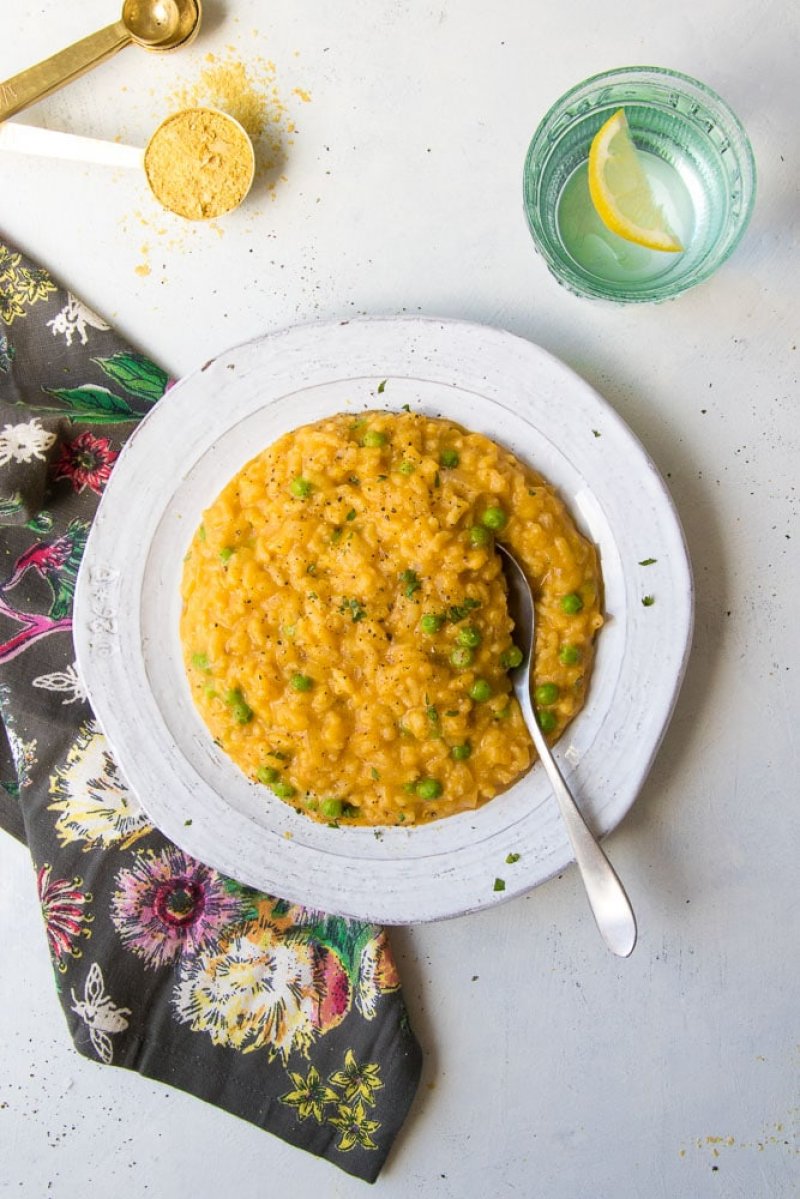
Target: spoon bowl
[[161, 24], [610, 905]]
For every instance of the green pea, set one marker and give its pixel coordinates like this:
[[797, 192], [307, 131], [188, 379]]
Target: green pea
[[569, 655], [301, 682], [511, 658], [470, 636], [240, 709], [547, 720], [479, 536], [331, 808], [460, 753], [429, 788], [226, 553], [571, 603], [284, 790], [480, 691], [431, 623], [374, 438], [406, 468], [268, 775], [462, 657], [546, 695], [449, 459], [200, 661], [494, 518], [300, 488]]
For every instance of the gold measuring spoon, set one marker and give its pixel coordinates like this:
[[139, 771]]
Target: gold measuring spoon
[[153, 24], [199, 163]]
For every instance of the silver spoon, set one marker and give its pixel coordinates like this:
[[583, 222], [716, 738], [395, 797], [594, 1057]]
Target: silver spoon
[[154, 24], [610, 905]]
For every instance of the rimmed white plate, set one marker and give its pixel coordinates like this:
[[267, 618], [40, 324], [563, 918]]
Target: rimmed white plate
[[127, 610]]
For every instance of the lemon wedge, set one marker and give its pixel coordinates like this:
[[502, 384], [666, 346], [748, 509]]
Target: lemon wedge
[[620, 191]]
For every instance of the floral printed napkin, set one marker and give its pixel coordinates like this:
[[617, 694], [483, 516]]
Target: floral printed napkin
[[283, 1015]]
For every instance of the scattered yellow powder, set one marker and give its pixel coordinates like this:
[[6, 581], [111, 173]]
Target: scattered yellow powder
[[248, 91], [142, 269], [303, 94], [199, 164]]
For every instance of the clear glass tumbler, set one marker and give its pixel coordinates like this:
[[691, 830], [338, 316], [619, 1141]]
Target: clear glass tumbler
[[701, 168]]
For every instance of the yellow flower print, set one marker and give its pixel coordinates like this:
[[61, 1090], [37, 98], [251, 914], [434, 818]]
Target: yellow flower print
[[355, 1128], [20, 286], [357, 1082], [310, 1095]]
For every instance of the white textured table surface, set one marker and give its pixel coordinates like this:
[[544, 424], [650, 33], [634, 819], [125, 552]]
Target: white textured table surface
[[552, 1068]]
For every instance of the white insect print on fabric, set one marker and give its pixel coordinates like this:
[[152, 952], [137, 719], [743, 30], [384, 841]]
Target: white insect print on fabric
[[25, 442], [99, 1014], [75, 317], [67, 681]]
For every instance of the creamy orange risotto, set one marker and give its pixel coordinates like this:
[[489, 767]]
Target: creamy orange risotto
[[345, 625]]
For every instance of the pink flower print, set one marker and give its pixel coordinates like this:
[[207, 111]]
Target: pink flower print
[[332, 989], [86, 461], [65, 916], [167, 906]]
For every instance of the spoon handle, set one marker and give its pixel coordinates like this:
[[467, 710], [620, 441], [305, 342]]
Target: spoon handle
[[24, 89], [610, 905], [52, 143]]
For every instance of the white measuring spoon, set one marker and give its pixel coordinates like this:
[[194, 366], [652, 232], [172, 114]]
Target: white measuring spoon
[[50, 143]]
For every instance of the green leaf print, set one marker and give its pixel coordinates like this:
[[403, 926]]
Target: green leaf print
[[93, 401], [10, 505], [41, 522], [346, 938], [137, 374]]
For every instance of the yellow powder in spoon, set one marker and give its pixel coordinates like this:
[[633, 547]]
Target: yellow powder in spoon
[[199, 163]]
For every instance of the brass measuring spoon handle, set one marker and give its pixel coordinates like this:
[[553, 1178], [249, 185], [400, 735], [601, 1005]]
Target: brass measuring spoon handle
[[24, 89]]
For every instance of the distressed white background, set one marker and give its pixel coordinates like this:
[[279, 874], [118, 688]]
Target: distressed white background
[[552, 1069]]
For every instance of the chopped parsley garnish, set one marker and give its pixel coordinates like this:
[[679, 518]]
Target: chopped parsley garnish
[[410, 581], [512, 858], [459, 612], [375, 774], [406, 407], [499, 884], [648, 600], [648, 561], [351, 515], [354, 607], [382, 387]]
